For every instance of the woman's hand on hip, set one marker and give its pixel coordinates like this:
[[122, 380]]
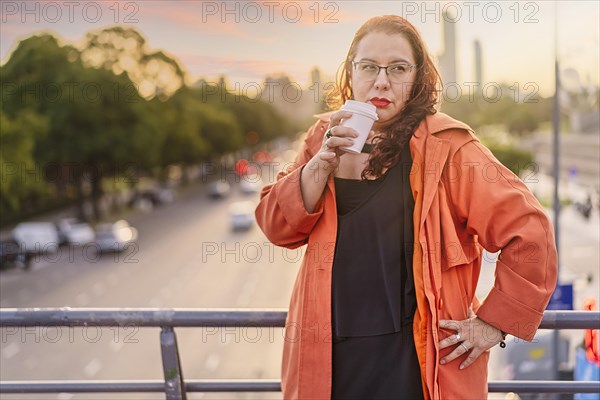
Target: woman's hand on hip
[[472, 336]]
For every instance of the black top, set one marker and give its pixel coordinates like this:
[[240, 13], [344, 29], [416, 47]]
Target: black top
[[372, 281]]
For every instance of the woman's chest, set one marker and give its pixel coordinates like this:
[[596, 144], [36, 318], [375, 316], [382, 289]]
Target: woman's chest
[[352, 165]]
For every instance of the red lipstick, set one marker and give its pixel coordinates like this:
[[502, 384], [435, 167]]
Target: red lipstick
[[379, 103]]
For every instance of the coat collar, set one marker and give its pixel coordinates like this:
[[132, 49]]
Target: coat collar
[[438, 122]]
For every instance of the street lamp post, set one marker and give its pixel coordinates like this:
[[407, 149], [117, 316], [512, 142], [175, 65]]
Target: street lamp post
[[556, 176]]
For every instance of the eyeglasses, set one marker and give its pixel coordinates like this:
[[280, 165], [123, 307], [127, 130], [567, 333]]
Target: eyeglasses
[[396, 73]]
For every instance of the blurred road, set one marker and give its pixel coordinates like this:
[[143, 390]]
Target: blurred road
[[187, 257]]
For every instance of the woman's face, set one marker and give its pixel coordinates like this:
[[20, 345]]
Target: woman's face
[[388, 96]]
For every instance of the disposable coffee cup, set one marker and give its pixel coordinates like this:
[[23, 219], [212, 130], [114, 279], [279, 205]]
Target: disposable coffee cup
[[363, 117]]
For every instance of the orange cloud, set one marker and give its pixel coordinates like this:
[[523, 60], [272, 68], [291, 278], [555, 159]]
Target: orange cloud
[[247, 70], [186, 15], [240, 18]]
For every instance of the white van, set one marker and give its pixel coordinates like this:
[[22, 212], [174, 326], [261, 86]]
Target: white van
[[36, 237]]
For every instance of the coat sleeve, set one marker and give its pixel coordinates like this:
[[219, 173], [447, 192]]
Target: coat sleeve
[[494, 204], [280, 212]]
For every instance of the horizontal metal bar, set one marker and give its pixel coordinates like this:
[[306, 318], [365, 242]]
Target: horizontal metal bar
[[544, 386], [140, 386], [259, 385], [228, 317], [142, 317], [133, 386], [233, 385], [571, 320]]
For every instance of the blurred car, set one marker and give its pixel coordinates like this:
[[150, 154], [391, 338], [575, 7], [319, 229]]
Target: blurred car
[[74, 232], [13, 256], [241, 215], [149, 198], [219, 189], [115, 237], [36, 237], [251, 184]]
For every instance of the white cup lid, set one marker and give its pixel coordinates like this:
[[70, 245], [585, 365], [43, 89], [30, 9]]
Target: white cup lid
[[366, 109]]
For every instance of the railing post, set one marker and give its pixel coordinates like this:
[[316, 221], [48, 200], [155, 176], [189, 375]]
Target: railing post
[[174, 386]]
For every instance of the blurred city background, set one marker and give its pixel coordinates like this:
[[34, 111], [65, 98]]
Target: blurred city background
[[135, 138]]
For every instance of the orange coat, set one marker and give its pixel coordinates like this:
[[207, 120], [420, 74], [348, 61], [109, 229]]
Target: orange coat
[[465, 200]]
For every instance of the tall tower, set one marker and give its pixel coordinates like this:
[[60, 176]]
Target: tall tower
[[448, 57], [478, 62], [315, 76]]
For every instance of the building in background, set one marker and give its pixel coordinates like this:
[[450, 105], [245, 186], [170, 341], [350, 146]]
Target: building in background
[[478, 62], [448, 57], [292, 100]]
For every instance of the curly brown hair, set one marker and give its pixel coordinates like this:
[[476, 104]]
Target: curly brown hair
[[422, 101]]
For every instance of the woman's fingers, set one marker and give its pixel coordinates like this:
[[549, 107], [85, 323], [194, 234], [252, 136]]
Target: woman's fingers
[[450, 341], [327, 155], [473, 355], [342, 132], [453, 340], [461, 349], [336, 118], [336, 141], [338, 136], [470, 337]]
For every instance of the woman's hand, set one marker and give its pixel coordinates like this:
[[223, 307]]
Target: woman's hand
[[472, 335], [341, 136], [318, 169]]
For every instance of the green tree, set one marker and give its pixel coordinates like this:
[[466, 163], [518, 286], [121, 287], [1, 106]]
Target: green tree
[[252, 115], [122, 49], [21, 178], [519, 116], [115, 106], [184, 143], [221, 130], [98, 125], [517, 160]]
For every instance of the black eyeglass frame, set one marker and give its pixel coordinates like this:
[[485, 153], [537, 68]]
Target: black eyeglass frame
[[380, 67]]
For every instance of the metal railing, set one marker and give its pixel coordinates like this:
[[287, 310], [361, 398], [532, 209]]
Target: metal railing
[[174, 385]]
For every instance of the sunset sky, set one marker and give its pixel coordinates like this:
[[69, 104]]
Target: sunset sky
[[248, 40]]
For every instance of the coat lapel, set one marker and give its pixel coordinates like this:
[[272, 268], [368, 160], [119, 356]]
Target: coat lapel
[[436, 154], [429, 153]]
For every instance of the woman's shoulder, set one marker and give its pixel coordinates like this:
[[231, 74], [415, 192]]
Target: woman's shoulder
[[440, 122], [445, 127]]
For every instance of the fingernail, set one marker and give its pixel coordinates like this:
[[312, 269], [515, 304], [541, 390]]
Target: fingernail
[[461, 367], [442, 361]]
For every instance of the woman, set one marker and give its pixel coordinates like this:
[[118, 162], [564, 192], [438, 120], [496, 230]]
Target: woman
[[384, 304]]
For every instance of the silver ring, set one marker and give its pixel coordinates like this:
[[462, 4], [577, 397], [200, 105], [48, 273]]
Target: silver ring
[[458, 337], [464, 347], [328, 133]]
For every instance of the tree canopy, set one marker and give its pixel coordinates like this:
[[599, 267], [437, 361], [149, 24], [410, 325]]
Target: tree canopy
[[109, 107]]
